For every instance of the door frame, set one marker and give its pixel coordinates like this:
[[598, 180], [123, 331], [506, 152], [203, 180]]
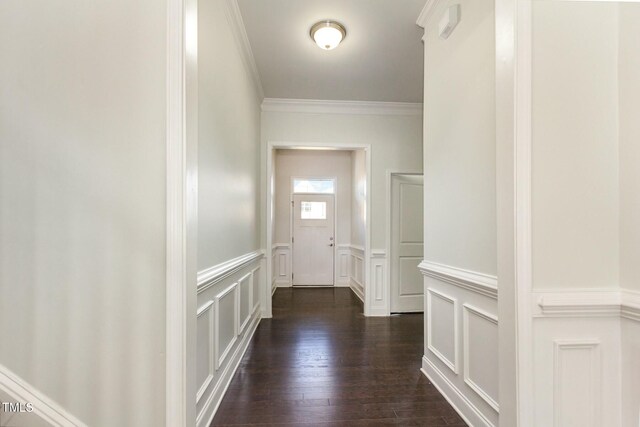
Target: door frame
[[268, 177], [182, 212], [335, 218], [389, 176], [389, 238]]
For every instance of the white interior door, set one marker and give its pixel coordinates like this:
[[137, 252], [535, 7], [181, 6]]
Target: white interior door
[[313, 239], [407, 246]]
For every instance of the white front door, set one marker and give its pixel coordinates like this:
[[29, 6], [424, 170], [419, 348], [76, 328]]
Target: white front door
[[313, 240], [407, 246]]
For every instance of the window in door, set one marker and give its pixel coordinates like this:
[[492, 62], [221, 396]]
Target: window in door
[[313, 210]]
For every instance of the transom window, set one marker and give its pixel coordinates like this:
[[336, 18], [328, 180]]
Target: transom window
[[313, 185]]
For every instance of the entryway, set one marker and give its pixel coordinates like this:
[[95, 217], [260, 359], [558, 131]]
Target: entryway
[[318, 226], [313, 239]]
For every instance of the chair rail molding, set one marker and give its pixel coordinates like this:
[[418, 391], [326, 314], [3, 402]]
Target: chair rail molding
[[597, 302], [216, 273], [428, 12], [480, 283]]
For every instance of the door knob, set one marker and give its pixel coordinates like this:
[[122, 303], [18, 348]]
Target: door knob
[[331, 244]]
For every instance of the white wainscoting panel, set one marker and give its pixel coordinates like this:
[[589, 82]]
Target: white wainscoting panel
[[229, 311], [380, 304], [282, 264], [356, 271], [571, 356], [586, 339], [480, 339], [227, 322], [255, 290], [461, 339], [442, 328], [245, 284], [343, 255], [205, 359], [577, 391], [630, 337]]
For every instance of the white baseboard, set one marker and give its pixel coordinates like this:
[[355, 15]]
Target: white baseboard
[[378, 312], [357, 291], [43, 407], [469, 413], [343, 283], [205, 417], [283, 284]]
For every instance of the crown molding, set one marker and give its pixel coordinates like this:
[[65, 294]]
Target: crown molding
[[240, 34], [316, 106], [427, 12]]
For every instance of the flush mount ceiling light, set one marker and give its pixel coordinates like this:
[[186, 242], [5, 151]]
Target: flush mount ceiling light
[[328, 34]]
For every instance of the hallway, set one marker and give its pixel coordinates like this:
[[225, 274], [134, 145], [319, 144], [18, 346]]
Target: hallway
[[319, 361]]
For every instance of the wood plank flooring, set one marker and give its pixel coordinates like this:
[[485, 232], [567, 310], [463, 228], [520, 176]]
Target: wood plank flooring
[[320, 362]]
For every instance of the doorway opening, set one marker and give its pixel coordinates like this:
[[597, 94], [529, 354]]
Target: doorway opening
[[406, 241], [318, 216]]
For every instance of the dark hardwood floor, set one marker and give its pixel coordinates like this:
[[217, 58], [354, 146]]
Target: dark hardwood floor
[[320, 362]]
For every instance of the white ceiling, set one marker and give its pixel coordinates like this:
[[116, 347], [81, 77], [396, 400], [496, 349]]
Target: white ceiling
[[379, 60]]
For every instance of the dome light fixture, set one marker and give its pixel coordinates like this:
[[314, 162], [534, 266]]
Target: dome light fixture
[[328, 34]]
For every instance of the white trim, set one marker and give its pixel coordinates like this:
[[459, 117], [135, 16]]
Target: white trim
[[630, 304], [462, 405], [597, 302], [378, 254], [208, 307], [244, 322], [357, 291], [595, 373], [451, 364], [234, 17], [43, 407], [468, 309], [213, 275], [221, 355], [255, 299], [357, 248], [210, 407], [523, 245], [317, 106], [479, 283], [271, 146], [181, 212], [427, 12]]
